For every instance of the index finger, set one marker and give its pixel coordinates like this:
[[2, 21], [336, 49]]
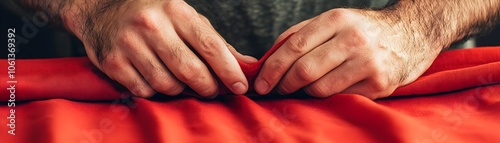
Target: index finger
[[307, 38], [214, 51]]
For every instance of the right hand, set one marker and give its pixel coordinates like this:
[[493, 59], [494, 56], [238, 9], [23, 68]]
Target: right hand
[[145, 46]]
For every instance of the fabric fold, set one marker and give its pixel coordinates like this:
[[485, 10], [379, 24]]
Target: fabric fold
[[68, 100], [78, 79]]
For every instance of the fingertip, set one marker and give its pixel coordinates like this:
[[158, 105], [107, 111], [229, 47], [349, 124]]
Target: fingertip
[[212, 96], [211, 91], [239, 88], [261, 86]]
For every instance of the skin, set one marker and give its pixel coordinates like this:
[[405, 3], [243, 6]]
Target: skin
[[369, 52], [152, 45], [158, 45]]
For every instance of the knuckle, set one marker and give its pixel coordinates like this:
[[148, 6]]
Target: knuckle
[[379, 84], [137, 88], [160, 81], [381, 94], [173, 50], [345, 78], [180, 10], [337, 15], [205, 19], [304, 71], [210, 46], [160, 85], [357, 40], [190, 72], [296, 45], [166, 87], [379, 80], [319, 90], [373, 65], [112, 63], [145, 20], [155, 72], [276, 67], [126, 39], [359, 36]]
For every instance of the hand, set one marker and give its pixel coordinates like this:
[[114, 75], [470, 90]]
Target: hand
[[145, 46], [347, 51]]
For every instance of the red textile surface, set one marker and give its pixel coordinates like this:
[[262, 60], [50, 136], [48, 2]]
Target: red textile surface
[[68, 100]]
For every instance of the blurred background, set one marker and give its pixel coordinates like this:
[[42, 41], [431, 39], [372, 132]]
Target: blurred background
[[50, 41]]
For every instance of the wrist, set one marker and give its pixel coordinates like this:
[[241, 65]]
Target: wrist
[[434, 28], [406, 38], [414, 29], [84, 17], [75, 15]]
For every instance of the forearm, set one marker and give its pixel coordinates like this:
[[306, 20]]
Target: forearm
[[74, 15], [51, 10], [89, 20], [441, 23]]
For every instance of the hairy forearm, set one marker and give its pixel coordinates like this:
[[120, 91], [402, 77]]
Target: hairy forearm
[[90, 20], [74, 14], [50, 9], [443, 22]]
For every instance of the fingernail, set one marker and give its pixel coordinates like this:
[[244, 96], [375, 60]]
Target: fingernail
[[261, 86], [238, 88]]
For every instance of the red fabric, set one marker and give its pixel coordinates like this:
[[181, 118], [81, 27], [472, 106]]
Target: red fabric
[[68, 100]]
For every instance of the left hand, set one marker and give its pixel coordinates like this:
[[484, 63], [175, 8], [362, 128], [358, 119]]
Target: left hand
[[347, 51]]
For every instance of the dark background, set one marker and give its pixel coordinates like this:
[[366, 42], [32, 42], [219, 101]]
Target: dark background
[[50, 41]]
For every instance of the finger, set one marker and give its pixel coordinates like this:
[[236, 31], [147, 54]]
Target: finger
[[182, 62], [309, 37], [241, 57], [213, 49], [313, 66], [123, 72], [371, 88], [153, 70], [336, 80], [292, 29], [236, 54]]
